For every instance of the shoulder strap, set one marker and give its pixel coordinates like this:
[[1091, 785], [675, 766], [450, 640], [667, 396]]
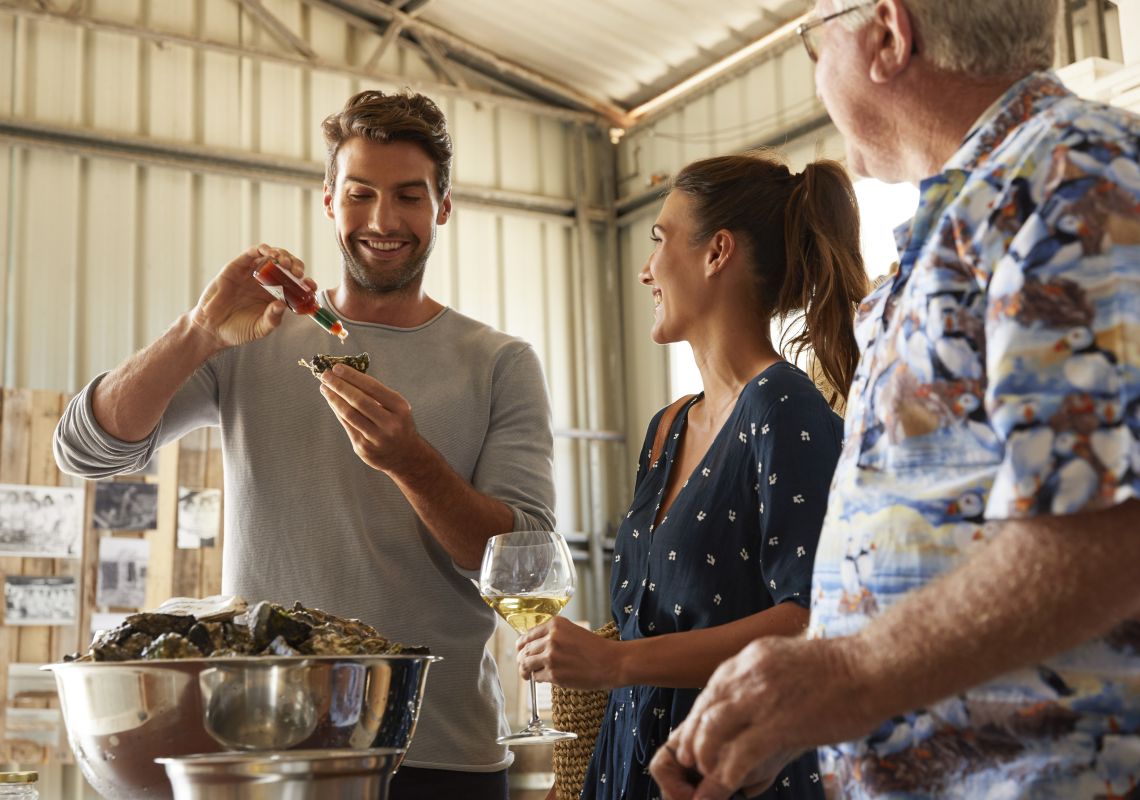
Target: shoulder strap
[[663, 426]]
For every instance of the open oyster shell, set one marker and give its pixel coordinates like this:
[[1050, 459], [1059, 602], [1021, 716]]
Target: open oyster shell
[[322, 362]]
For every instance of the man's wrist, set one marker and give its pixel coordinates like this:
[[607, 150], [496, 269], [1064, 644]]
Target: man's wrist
[[417, 467], [862, 679], [201, 343]]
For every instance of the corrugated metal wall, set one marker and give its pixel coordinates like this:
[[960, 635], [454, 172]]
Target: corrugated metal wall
[[131, 170], [133, 164], [772, 103]]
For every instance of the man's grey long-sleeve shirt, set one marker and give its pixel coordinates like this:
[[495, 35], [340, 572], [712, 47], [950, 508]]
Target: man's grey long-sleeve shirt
[[306, 520]]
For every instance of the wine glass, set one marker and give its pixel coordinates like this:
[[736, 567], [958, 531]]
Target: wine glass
[[528, 577]]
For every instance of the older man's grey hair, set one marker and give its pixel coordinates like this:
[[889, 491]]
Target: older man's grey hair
[[981, 38]]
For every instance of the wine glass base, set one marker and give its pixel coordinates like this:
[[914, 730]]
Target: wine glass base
[[537, 735]]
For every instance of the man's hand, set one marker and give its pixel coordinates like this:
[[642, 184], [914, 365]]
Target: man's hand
[[680, 783], [761, 708], [380, 427], [234, 308], [377, 419], [561, 652], [1065, 580]]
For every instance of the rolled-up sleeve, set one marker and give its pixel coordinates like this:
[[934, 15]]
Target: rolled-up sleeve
[[83, 448]]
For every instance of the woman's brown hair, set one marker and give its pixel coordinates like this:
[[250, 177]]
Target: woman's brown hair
[[802, 232]]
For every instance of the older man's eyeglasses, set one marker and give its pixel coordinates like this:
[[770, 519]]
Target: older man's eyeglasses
[[806, 30]]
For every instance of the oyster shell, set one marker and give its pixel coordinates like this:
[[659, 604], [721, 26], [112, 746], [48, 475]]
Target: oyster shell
[[215, 608], [321, 362], [171, 645], [231, 627], [267, 622]]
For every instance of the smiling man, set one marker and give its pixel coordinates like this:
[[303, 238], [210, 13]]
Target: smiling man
[[975, 619], [374, 496]]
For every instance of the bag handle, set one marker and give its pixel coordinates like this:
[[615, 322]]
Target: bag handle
[[663, 427]]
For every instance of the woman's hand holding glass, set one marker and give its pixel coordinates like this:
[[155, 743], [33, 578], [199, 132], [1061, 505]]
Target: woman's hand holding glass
[[562, 652], [528, 577]]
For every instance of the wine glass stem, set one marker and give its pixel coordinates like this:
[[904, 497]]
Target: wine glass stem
[[534, 720]]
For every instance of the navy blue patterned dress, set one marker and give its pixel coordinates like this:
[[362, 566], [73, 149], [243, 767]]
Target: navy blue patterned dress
[[739, 538]]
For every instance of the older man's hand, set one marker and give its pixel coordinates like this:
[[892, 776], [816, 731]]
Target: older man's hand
[[775, 699]]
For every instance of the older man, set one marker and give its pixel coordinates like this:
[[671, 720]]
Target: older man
[[974, 602]]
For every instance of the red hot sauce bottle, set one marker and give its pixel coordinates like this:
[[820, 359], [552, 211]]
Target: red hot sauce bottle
[[282, 284]]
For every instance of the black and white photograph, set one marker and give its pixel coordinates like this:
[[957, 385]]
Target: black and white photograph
[[42, 726], [29, 681], [39, 600], [199, 517], [122, 506], [122, 572], [41, 521]]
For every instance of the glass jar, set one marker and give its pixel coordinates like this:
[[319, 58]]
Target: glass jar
[[19, 786]]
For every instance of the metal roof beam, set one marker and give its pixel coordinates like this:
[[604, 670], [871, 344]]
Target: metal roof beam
[[89, 143], [415, 12], [702, 79], [390, 35], [436, 56], [458, 45], [276, 56], [277, 28]]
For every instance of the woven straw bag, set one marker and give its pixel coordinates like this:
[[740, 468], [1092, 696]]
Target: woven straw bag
[[579, 711]]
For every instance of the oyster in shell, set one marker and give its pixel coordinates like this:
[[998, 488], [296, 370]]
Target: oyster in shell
[[231, 627], [321, 362], [171, 645]]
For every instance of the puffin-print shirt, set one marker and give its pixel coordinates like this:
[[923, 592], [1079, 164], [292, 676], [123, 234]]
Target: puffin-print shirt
[[999, 379], [739, 538]]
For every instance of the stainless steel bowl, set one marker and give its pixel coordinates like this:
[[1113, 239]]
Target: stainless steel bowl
[[291, 775], [121, 716]]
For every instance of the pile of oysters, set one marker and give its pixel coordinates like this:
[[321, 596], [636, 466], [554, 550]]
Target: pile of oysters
[[219, 627]]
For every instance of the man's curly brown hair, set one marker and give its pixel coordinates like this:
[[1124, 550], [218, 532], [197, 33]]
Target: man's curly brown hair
[[398, 117]]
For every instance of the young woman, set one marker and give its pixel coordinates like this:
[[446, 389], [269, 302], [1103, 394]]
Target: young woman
[[718, 544]]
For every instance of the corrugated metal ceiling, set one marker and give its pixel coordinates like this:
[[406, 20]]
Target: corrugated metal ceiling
[[604, 57], [601, 55], [624, 52]]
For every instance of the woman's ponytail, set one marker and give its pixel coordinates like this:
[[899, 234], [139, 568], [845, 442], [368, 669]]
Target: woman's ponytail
[[825, 277], [802, 232]]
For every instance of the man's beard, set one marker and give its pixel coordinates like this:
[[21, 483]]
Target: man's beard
[[390, 282]]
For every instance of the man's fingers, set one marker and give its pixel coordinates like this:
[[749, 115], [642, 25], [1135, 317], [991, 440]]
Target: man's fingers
[[670, 775], [711, 789], [271, 317], [739, 766], [717, 727], [682, 738], [282, 257], [245, 262], [360, 429], [389, 398], [355, 399]]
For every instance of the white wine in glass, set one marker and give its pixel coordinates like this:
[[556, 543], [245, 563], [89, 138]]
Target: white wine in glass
[[528, 577]]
